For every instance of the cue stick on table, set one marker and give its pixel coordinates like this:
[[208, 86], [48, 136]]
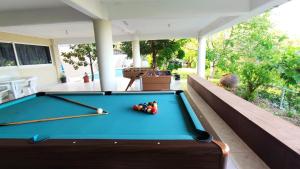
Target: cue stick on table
[[98, 110], [48, 119]]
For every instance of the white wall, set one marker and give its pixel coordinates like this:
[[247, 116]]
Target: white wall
[[47, 74]]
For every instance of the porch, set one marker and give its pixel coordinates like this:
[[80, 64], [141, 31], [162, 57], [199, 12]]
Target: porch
[[270, 144]]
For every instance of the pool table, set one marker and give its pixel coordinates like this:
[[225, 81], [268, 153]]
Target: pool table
[[122, 138]]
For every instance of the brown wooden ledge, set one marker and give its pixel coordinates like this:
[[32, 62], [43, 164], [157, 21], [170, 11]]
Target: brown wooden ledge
[[275, 140]]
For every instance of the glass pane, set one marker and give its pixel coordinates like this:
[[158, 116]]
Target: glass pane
[[32, 54], [7, 55]]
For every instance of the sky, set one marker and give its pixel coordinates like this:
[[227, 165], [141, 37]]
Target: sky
[[286, 18]]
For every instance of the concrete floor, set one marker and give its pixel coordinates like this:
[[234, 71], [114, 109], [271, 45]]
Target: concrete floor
[[121, 84]]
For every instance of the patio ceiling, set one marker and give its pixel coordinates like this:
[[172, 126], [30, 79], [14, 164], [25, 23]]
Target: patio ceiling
[[70, 21]]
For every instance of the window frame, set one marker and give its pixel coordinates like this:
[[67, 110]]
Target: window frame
[[17, 57]]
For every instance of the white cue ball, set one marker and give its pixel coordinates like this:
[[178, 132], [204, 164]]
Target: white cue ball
[[99, 111]]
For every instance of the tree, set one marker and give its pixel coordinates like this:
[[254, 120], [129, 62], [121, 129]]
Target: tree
[[288, 64], [287, 68], [161, 51], [191, 52], [246, 49], [220, 52], [254, 76], [261, 57], [81, 55], [257, 45]]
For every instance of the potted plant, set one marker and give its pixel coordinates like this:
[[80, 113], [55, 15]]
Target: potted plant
[[63, 78], [177, 76], [174, 65]]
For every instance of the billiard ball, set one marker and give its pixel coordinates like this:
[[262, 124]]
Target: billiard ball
[[99, 111], [135, 107], [154, 110], [140, 107]]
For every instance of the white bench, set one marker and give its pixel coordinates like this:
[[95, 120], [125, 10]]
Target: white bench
[[4, 93], [20, 86]]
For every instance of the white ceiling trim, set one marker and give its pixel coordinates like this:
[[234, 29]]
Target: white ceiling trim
[[92, 8]]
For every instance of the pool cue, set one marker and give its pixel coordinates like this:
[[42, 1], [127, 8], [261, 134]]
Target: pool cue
[[78, 103], [48, 119]]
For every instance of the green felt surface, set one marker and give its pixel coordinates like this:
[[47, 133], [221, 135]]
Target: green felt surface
[[174, 120]]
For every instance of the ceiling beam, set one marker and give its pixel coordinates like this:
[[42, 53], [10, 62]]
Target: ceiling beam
[[218, 25], [124, 28], [41, 16], [129, 37], [257, 7], [74, 40], [174, 9], [96, 10], [92, 8]]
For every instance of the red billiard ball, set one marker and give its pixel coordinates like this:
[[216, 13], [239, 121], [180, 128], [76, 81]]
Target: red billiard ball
[[135, 107], [154, 110]]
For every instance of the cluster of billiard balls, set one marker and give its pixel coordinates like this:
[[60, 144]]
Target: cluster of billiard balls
[[150, 107]]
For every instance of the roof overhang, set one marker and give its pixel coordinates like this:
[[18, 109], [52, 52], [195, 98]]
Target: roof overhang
[[70, 21]]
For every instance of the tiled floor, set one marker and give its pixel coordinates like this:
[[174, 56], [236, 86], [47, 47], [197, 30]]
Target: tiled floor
[[241, 156], [121, 84]]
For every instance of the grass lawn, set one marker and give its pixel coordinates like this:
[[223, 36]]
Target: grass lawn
[[184, 72]]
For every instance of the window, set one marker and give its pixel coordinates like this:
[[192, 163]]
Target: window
[[25, 54], [32, 54], [7, 55]]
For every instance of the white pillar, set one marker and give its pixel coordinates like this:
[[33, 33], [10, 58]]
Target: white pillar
[[104, 46], [136, 55], [56, 59], [201, 56]]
